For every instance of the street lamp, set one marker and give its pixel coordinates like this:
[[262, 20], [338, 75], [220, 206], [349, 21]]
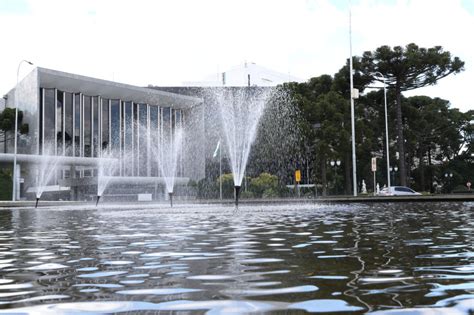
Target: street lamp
[[393, 170], [335, 164], [386, 126], [14, 196], [448, 177]]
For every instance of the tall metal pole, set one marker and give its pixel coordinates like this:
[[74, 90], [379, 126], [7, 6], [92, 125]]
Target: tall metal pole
[[386, 133], [354, 171], [14, 196]]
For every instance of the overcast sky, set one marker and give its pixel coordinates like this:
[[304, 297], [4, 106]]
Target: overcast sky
[[168, 42]]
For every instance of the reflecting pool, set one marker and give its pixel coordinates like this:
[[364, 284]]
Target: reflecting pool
[[399, 257]]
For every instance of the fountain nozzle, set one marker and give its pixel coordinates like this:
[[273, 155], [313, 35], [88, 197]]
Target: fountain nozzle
[[97, 202], [37, 199], [171, 198], [237, 194]]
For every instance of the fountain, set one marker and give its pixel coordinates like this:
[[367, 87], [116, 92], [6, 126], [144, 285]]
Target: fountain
[[167, 151], [240, 110], [48, 163], [106, 169]]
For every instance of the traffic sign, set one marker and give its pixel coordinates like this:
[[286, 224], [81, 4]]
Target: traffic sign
[[298, 176]]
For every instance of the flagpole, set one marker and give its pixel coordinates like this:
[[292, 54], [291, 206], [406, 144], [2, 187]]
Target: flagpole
[[220, 171]]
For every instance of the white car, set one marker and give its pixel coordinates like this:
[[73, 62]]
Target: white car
[[398, 191]]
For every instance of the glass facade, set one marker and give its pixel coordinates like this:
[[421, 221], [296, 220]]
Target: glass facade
[[143, 140], [105, 124], [59, 122], [75, 124], [95, 126], [154, 136], [49, 115], [115, 125], [87, 125], [68, 123], [128, 136]]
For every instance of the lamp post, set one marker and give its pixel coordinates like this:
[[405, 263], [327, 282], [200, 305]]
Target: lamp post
[[448, 177], [335, 164], [386, 126], [393, 170], [14, 196]]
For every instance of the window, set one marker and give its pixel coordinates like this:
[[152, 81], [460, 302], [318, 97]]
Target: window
[[115, 125], [154, 139], [105, 124], [143, 140], [49, 122], [95, 126], [68, 122], [128, 138], [87, 125], [59, 122], [77, 124], [166, 132]]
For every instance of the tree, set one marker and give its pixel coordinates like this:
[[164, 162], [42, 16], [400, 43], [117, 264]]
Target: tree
[[434, 134], [408, 68], [7, 119], [7, 124]]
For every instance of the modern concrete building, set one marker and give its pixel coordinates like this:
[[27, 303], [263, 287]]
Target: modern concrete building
[[81, 119]]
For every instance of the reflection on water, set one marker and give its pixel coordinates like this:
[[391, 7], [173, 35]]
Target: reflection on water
[[345, 258]]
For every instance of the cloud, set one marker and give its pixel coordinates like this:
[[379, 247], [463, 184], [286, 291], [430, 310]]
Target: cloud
[[168, 42]]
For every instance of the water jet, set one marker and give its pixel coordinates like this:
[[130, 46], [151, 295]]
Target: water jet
[[167, 149], [47, 166], [106, 169], [241, 110]]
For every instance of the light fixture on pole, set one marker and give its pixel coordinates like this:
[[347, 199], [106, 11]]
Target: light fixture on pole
[[386, 126], [448, 177], [14, 184], [335, 164], [393, 170]]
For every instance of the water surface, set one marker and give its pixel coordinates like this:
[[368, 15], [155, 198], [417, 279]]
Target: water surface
[[314, 258]]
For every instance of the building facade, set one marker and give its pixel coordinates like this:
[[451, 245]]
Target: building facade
[[82, 119]]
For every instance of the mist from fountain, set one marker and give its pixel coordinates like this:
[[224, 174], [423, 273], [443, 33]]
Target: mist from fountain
[[240, 112], [106, 169], [47, 166], [166, 151]]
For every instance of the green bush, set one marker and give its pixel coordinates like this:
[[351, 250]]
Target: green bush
[[6, 184], [264, 182], [227, 185]]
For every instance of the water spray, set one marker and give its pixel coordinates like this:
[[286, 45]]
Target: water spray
[[97, 202], [37, 199], [237, 194], [171, 198]]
